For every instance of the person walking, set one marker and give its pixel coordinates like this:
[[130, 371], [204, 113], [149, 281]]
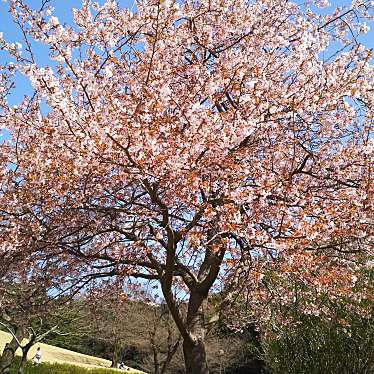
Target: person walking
[[38, 357]]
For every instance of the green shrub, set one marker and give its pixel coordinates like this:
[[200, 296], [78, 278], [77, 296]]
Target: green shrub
[[338, 339], [318, 346], [47, 368]]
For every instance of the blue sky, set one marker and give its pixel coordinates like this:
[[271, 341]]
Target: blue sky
[[11, 32], [63, 10]]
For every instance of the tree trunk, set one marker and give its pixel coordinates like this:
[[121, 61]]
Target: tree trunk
[[194, 346], [22, 365], [172, 349], [152, 339], [7, 357], [116, 353], [25, 351], [195, 357], [193, 328]]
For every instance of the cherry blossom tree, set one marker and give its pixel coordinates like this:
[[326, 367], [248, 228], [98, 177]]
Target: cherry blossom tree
[[194, 143]]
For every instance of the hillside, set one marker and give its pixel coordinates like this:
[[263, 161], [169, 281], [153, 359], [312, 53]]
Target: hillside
[[60, 355]]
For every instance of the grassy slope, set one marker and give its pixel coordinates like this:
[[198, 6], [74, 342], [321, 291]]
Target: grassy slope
[[60, 355]]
